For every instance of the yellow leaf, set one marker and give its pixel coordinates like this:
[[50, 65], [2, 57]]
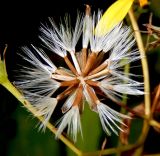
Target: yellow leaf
[[143, 2], [114, 14]]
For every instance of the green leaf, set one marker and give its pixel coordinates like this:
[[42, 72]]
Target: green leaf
[[29, 141], [92, 132]]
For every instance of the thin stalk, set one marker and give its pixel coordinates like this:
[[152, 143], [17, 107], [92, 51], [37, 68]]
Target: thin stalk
[[84, 58], [149, 33], [62, 77], [65, 93], [70, 65], [90, 61], [112, 150], [75, 62], [68, 83], [154, 123], [144, 63], [7, 84], [140, 45], [79, 96], [93, 96], [99, 68], [101, 73], [155, 100], [63, 72], [92, 83], [124, 99]]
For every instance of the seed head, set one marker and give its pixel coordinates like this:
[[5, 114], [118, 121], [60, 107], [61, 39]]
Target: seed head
[[95, 71]]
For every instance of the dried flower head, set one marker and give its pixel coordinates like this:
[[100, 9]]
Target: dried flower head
[[95, 71]]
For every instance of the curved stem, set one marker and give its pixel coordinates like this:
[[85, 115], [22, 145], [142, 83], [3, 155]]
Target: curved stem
[[112, 150], [7, 84], [144, 62], [146, 125], [154, 123], [75, 63], [124, 101]]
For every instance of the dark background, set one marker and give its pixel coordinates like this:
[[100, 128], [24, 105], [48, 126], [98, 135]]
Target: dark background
[[19, 25]]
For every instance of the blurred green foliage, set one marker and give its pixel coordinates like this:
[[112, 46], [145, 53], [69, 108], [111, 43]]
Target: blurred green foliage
[[28, 141]]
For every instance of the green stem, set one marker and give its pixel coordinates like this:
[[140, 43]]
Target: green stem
[[7, 84], [144, 62], [154, 123], [124, 101], [112, 150], [140, 45]]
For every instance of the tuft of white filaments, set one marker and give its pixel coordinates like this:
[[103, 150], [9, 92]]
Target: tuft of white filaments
[[115, 87], [72, 120], [110, 118], [35, 82], [92, 74]]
